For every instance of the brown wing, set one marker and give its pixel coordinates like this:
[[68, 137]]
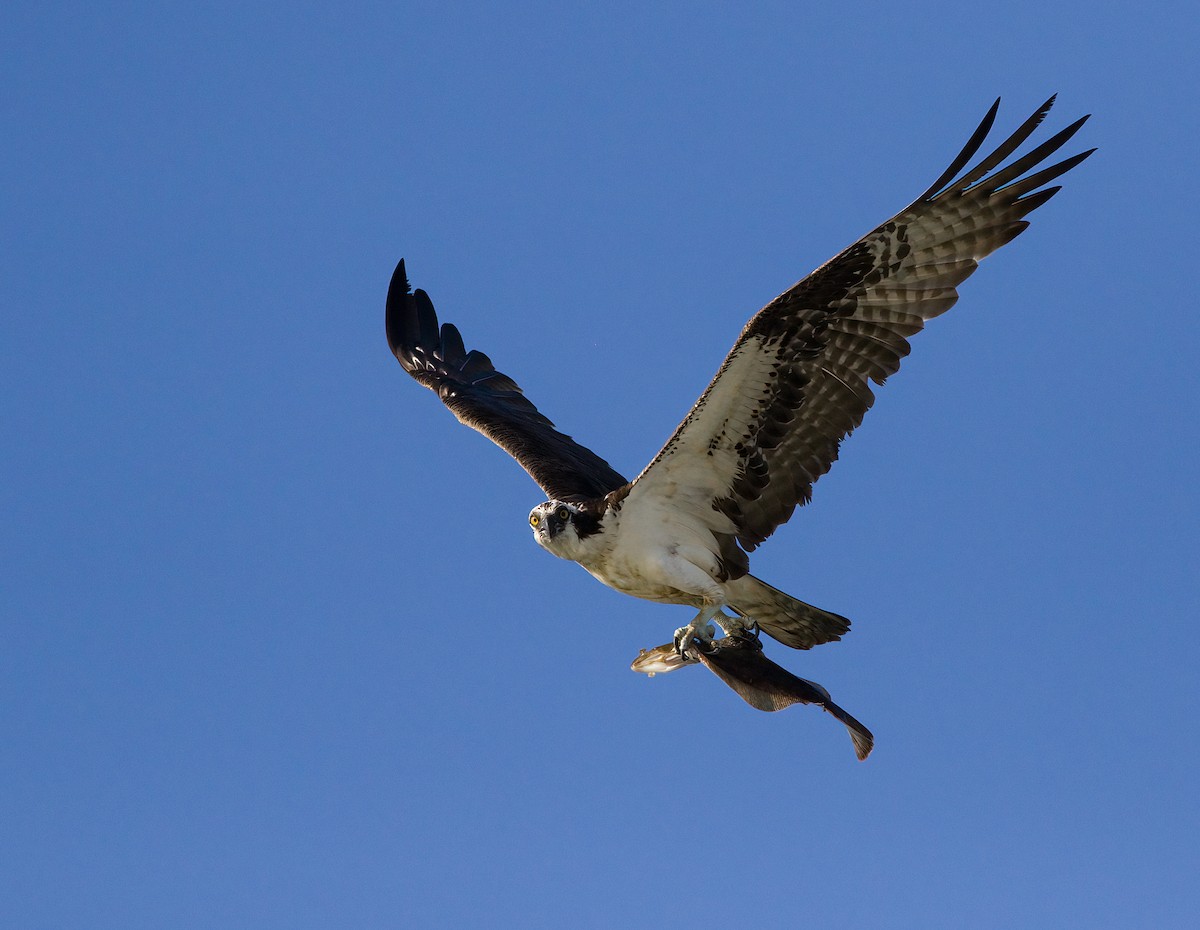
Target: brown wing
[[797, 381], [489, 401]]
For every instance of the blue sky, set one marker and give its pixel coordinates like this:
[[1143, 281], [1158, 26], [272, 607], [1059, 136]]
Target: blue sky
[[277, 649]]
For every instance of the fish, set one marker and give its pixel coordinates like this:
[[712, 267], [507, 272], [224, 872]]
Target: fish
[[739, 661]]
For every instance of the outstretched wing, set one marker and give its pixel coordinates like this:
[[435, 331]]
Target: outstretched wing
[[797, 381], [489, 401]]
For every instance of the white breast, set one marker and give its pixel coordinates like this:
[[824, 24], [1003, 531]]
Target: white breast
[[653, 551]]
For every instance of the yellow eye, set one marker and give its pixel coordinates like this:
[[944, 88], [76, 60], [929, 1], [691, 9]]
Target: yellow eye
[[563, 514], [534, 519]]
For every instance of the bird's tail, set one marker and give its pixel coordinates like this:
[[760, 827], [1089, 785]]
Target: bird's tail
[[792, 622]]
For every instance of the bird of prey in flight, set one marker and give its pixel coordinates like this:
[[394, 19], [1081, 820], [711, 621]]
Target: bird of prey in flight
[[797, 381]]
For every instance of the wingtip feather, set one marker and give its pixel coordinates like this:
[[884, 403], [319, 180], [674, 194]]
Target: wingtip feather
[[397, 300], [399, 281], [968, 151]]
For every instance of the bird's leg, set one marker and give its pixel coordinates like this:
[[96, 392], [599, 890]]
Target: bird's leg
[[730, 626], [699, 628]]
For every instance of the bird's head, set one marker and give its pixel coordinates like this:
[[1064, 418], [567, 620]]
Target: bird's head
[[550, 519], [560, 527]]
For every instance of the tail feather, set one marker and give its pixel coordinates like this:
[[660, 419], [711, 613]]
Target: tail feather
[[783, 617]]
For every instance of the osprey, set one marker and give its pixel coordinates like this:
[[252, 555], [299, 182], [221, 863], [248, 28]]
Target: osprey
[[794, 385]]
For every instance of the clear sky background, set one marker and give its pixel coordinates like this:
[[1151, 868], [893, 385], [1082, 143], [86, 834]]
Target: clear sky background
[[277, 648]]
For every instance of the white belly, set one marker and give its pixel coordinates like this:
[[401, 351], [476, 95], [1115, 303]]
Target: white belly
[[659, 561]]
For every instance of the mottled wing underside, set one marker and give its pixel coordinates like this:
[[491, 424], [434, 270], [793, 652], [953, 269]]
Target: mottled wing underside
[[489, 401], [797, 381]]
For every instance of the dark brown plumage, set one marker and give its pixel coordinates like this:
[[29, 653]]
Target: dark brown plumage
[[487, 400], [797, 381]]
